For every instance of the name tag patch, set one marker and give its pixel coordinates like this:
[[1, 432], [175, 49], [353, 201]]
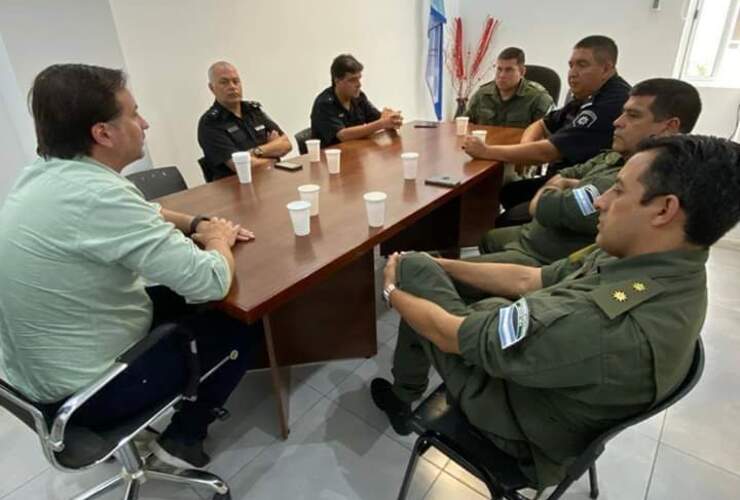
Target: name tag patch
[[585, 119], [585, 197], [513, 323]]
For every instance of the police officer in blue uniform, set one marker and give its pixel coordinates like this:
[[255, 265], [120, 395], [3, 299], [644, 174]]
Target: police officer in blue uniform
[[232, 125], [343, 112]]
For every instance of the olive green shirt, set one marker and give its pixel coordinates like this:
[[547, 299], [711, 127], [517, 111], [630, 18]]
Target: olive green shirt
[[530, 103], [564, 220], [78, 242], [600, 343]]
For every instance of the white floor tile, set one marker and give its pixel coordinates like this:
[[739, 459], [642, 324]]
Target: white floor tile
[[331, 454], [679, 476], [447, 487], [21, 458]]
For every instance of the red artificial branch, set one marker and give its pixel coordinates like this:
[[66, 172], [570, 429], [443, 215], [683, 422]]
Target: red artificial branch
[[467, 71]]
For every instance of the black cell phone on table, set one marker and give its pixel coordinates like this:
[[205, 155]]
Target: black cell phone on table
[[426, 125], [443, 180], [288, 165]]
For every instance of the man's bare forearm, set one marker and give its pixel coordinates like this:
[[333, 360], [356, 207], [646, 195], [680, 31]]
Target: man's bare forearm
[[534, 132], [360, 131], [277, 147], [429, 320], [531, 153], [502, 280]]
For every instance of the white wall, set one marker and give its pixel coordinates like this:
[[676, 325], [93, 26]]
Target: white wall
[[283, 50], [35, 34]]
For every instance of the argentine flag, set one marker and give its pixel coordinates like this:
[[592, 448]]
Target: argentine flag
[[435, 34]]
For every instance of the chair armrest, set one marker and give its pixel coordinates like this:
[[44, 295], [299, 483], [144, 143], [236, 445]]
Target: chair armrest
[[74, 402]]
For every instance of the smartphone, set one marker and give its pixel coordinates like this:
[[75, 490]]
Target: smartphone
[[288, 165], [442, 180], [426, 125]]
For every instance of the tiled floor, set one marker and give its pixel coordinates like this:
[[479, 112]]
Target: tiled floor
[[341, 447]]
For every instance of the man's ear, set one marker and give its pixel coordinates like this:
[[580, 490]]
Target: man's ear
[[673, 126], [210, 86], [668, 207], [101, 134]]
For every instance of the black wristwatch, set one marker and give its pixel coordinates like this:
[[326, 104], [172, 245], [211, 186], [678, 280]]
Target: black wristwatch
[[197, 220]]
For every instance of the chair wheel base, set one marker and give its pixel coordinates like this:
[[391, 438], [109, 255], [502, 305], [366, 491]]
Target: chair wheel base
[[222, 496]]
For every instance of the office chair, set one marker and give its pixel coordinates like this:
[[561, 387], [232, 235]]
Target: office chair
[[546, 77], [69, 447], [301, 138], [443, 426], [158, 182]]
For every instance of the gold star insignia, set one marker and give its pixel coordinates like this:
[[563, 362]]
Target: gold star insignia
[[619, 296], [639, 286]]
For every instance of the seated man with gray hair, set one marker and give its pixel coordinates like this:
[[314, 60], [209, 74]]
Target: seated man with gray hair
[[232, 125]]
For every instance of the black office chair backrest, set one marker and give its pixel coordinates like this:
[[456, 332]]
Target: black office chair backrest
[[158, 182], [301, 138], [546, 77]]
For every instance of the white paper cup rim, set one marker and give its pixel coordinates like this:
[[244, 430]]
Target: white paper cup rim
[[308, 188], [313, 141], [462, 118], [410, 155], [298, 205], [375, 196], [332, 151]]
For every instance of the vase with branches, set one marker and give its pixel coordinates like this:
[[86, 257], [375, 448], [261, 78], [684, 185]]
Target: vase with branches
[[468, 68]]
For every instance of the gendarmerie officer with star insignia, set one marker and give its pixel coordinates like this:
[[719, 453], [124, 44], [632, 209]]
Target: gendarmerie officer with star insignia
[[343, 112], [569, 135], [564, 217], [543, 360], [232, 125]]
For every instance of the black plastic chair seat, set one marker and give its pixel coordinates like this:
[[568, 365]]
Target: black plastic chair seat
[[445, 425], [157, 182]]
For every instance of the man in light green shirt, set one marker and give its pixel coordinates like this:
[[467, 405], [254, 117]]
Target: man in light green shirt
[[77, 245]]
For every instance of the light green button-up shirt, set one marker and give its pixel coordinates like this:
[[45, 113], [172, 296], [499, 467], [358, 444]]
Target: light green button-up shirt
[[77, 241]]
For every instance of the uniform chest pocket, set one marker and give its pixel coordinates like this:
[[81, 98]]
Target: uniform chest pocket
[[239, 136], [518, 116], [260, 133]]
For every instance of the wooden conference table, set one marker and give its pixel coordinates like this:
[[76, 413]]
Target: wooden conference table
[[315, 294]]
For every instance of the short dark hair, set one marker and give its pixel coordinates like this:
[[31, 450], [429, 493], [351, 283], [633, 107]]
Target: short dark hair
[[603, 47], [342, 65], [704, 174], [672, 98], [512, 53], [67, 100]]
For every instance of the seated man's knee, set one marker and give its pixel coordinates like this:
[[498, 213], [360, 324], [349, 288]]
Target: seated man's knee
[[417, 273]]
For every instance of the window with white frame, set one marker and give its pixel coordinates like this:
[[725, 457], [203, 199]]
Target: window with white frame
[[712, 50]]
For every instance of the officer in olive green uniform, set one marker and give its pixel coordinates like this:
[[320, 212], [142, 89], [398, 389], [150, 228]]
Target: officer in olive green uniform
[[530, 103], [600, 349], [588, 341], [564, 221]]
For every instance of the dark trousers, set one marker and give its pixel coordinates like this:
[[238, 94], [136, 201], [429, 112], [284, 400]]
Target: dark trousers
[[161, 373], [515, 198]]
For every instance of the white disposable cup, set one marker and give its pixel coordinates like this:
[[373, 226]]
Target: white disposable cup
[[314, 150], [480, 134], [243, 163], [462, 125], [310, 193], [410, 165], [333, 158], [375, 205], [300, 216]]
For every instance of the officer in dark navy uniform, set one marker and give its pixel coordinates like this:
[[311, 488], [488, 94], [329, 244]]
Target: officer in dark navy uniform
[[232, 125], [570, 135], [343, 112]]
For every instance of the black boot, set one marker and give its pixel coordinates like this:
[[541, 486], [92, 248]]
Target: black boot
[[399, 413]]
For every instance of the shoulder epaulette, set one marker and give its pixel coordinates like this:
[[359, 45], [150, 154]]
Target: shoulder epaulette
[[617, 298], [253, 104]]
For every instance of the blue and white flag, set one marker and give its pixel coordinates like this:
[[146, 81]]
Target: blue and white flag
[[435, 34]]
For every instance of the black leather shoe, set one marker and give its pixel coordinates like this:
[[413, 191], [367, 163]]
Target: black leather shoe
[[180, 454], [399, 413]]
